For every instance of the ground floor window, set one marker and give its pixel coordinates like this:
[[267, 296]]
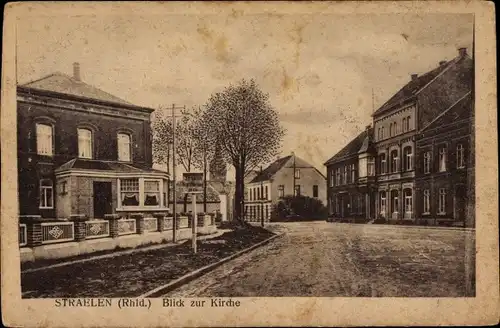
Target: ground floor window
[[129, 192], [408, 200], [395, 201], [427, 201], [151, 193], [442, 201], [142, 192], [383, 202], [46, 194]]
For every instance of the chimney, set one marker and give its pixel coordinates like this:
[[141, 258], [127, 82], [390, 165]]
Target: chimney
[[414, 77], [462, 52], [76, 71], [442, 62]]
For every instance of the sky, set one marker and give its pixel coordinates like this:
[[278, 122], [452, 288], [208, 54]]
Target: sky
[[320, 70]]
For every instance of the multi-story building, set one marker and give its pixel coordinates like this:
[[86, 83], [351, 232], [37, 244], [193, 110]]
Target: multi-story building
[[445, 167], [286, 176], [350, 178], [397, 122], [84, 151], [396, 125]]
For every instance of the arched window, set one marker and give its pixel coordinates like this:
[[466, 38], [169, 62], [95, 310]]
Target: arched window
[[408, 123], [391, 132], [442, 159], [460, 156], [408, 158], [395, 128], [408, 201], [404, 124], [84, 143], [382, 164], [394, 161], [124, 147], [383, 203], [427, 201], [395, 201], [427, 162], [382, 133], [44, 139]]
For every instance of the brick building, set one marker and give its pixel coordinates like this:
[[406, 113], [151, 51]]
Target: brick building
[[350, 178], [396, 125], [445, 167], [289, 175], [84, 151]]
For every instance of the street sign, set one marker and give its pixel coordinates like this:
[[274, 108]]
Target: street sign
[[193, 183]]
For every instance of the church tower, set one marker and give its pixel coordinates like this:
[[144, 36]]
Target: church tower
[[217, 167]]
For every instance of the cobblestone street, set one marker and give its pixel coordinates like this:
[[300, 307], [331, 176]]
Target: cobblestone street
[[328, 259]]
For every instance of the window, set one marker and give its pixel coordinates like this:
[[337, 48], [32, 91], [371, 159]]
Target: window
[[254, 194], [391, 132], [379, 133], [338, 176], [165, 189], [296, 190], [442, 201], [371, 166], [337, 204], [460, 156], [258, 194], [46, 194], [353, 173], [408, 123], [408, 201], [151, 193], [84, 143], [266, 195], [395, 201], [442, 159], [345, 175], [315, 191], [332, 178], [44, 141], [297, 174], [427, 162], [123, 147], [382, 163], [383, 203], [129, 192], [281, 191], [427, 201], [394, 161], [408, 157], [395, 128], [382, 133], [404, 124]]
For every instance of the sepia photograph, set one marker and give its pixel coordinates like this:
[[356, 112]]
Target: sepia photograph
[[231, 154]]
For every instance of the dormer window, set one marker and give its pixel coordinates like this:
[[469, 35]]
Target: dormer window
[[124, 146], [84, 143]]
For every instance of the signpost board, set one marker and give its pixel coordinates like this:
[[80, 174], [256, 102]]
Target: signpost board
[[194, 186]]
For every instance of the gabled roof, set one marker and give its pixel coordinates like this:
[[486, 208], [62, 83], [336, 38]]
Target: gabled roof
[[65, 84], [353, 147], [182, 187], [276, 166], [461, 109], [414, 86]]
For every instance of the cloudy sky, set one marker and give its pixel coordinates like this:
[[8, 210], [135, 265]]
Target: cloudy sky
[[318, 69]]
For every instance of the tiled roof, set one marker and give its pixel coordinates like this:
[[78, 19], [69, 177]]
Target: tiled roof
[[90, 164], [414, 86], [287, 161], [65, 84], [462, 109], [352, 148]]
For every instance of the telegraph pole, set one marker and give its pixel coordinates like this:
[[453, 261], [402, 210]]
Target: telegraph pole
[[174, 194], [261, 199]]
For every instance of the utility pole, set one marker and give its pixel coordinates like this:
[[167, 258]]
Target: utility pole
[[294, 179], [261, 199], [174, 194]]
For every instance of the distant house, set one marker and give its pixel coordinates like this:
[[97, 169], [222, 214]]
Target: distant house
[[84, 151], [445, 168], [289, 175], [351, 180]]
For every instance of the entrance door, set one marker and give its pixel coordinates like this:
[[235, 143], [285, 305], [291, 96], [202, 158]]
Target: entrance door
[[460, 202], [102, 199]]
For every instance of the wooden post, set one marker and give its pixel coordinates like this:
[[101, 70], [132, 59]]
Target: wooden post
[[195, 223]]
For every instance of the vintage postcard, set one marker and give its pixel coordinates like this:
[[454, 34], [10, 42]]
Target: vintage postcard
[[230, 164]]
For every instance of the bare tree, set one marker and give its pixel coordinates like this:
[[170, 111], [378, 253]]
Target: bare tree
[[162, 138], [246, 127]]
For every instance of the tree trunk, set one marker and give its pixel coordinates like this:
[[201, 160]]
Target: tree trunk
[[238, 194], [205, 182], [185, 203]]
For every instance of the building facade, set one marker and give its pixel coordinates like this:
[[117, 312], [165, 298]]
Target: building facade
[[350, 178], [84, 151], [286, 176], [396, 126], [445, 167]]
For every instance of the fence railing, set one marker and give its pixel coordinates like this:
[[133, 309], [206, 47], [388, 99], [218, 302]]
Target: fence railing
[[183, 222], [168, 223], [23, 235], [127, 226], [96, 229], [57, 232], [150, 224]]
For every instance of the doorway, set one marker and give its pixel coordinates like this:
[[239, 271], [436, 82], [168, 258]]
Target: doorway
[[460, 201], [102, 199]]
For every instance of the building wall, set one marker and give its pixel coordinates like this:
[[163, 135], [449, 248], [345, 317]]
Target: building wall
[[395, 116], [308, 178]]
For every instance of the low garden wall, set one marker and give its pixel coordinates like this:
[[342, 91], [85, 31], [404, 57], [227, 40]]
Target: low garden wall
[[49, 238]]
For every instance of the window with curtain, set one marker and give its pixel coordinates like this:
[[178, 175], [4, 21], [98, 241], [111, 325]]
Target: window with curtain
[[371, 166], [297, 174], [427, 162], [404, 124], [345, 175], [442, 201], [338, 176], [382, 163], [281, 191], [46, 194], [427, 201], [129, 192], [151, 193], [394, 161], [408, 156], [383, 202], [84, 143], [395, 201], [44, 139], [408, 200], [296, 190], [353, 173], [124, 147], [442, 159]]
